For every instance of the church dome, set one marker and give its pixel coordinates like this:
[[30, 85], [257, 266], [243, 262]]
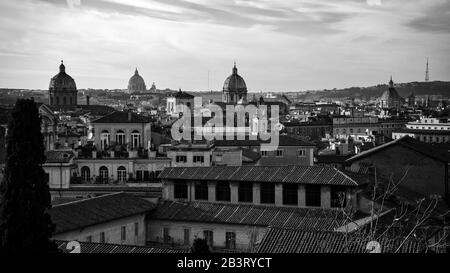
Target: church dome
[[136, 84], [62, 81], [235, 83], [391, 93]]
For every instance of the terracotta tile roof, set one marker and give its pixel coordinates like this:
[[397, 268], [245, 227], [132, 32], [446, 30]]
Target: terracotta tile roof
[[92, 211], [253, 215], [121, 117], [282, 240], [276, 174], [116, 248]]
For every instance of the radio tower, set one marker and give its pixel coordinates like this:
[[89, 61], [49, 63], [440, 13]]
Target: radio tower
[[427, 73]]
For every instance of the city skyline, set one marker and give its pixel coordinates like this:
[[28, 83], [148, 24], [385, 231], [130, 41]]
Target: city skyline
[[289, 46]]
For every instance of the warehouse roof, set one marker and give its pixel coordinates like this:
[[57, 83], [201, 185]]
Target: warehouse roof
[[253, 215], [278, 174]]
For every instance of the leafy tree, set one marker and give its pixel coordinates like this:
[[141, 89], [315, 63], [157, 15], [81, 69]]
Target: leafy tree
[[25, 225], [200, 246]]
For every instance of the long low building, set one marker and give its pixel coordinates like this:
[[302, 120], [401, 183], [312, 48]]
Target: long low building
[[298, 186], [236, 227]]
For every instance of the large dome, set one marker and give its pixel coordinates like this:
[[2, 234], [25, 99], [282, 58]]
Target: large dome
[[62, 81], [391, 93], [136, 84], [235, 83]]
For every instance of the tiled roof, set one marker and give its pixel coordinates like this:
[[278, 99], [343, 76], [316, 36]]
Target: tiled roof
[[281, 240], [92, 211], [411, 143], [254, 215], [116, 248], [277, 174], [121, 117], [284, 140], [57, 156]]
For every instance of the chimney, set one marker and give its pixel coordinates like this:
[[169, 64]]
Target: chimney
[[129, 116], [87, 100]]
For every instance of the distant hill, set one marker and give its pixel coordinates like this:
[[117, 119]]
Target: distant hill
[[404, 89]]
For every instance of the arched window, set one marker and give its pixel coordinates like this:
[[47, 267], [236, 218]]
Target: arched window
[[120, 137], [70, 100], [135, 139], [86, 173], [64, 100], [104, 139], [121, 174], [104, 174], [51, 100], [57, 100]]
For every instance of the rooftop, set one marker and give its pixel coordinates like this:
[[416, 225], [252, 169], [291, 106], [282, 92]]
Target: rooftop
[[284, 140], [277, 174], [121, 117], [410, 143], [281, 240], [92, 211], [254, 215], [116, 248], [59, 156]]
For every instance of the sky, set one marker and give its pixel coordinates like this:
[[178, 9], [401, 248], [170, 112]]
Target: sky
[[279, 46]]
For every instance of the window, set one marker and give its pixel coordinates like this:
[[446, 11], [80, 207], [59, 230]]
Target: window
[[85, 173], [208, 236], [104, 139], [199, 158], [301, 152], [223, 191], [230, 240], [180, 190], [338, 197], [187, 236], [201, 190], [89, 239], [104, 174], [121, 174], [166, 236], [267, 193], [279, 153], [135, 139], [290, 194], [146, 176], [136, 229], [139, 175], [181, 158], [264, 153], [245, 192], [123, 233], [312, 195], [102, 237], [120, 137]]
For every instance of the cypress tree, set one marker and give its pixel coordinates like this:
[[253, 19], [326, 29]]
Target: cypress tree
[[25, 225]]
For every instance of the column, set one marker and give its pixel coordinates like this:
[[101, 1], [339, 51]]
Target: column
[[211, 191], [301, 195], [278, 194], [234, 192], [256, 193], [325, 197]]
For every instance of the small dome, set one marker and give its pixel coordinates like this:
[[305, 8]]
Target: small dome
[[235, 83], [62, 81], [136, 84]]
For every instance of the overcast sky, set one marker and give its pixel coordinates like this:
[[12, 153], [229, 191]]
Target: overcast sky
[[287, 45]]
